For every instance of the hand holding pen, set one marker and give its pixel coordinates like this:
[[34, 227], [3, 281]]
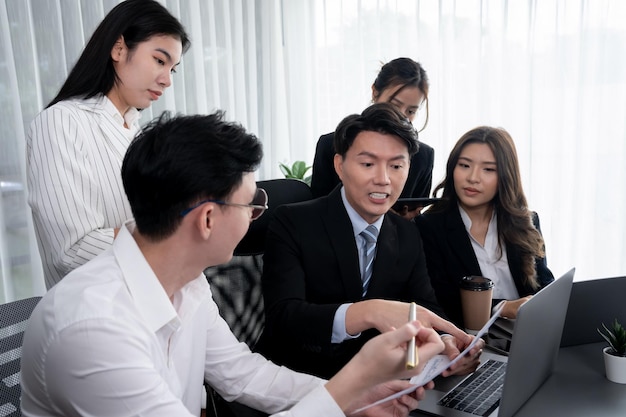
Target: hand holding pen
[[412, 359]]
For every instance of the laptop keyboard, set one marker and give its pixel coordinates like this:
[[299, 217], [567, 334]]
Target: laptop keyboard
[[479, 393]]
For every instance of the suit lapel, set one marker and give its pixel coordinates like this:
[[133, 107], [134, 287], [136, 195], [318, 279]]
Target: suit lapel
[[387, 252], [459, 241], [341, 237], [515, 267]]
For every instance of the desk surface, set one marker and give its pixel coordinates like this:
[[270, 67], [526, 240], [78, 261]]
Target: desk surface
[[578, 387]]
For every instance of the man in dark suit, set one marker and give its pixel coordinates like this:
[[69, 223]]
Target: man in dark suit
[[324, 297]]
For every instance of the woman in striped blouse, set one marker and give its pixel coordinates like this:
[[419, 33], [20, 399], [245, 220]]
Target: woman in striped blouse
[[75, 147]]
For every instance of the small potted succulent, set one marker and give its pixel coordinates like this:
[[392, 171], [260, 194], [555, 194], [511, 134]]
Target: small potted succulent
[[615, 353]]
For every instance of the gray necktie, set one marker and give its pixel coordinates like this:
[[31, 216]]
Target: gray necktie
[[369, 250]]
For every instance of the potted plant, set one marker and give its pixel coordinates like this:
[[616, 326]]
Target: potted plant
[[615, 353], [298, 171]]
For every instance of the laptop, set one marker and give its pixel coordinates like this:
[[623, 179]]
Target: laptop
[[512, 379], [592, 303]]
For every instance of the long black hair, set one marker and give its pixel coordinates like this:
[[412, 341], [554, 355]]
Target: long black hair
[[515, 225], [136, 21]]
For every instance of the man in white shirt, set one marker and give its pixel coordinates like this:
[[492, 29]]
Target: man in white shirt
[[135, 330]]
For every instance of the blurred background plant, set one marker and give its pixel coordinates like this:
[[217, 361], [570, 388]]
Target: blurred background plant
[[297, 170]]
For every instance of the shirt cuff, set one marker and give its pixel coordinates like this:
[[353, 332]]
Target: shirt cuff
[[318, 402], [340, 333], [497, 307]]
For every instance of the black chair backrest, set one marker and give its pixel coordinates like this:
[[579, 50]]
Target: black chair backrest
[[279, 191], [13, 318], [236, 285]]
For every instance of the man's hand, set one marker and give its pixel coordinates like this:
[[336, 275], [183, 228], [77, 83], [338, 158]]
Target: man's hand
[[432, 320], [380, 360], [408, 214], [467, 364], [398, 407], [387, 314]]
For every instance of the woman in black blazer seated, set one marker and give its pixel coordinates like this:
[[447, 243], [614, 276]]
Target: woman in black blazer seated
[[483, 226], [403, 83]]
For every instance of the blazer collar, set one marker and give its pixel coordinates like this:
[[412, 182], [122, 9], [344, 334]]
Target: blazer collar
[[387, 252], [462, 248], [459, 240]]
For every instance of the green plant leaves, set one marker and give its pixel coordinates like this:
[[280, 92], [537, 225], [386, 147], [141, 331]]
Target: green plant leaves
[[297, 171], [615, 337]]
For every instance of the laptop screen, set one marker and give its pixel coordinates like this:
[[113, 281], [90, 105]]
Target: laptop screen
[[534, 348]]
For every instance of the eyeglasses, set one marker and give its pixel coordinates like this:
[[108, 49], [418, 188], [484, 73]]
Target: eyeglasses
[[258, 205]]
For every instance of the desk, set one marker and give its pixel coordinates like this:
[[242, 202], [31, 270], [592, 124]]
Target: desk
[[578, 387]]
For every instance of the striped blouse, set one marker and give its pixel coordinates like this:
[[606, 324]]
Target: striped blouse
[[74, 154]]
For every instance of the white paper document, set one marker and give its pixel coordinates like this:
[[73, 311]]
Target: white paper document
[[436, 366]]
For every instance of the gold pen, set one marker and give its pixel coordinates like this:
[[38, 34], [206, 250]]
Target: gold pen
[[411, 353]]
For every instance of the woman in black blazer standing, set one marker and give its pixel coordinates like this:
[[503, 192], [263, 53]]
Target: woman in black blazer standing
[[483, 226]]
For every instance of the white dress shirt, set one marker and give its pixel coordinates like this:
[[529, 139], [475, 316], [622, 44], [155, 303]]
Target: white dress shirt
[[492, 259], [107, 341], [74, 154]]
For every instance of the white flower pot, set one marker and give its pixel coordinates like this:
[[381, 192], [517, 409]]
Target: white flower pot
[[615, 367]]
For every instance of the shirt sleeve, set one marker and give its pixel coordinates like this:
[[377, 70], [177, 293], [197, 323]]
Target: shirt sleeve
[[424, 181], [339, 325], [84, 376], [240, 375], [496, 307], [318, 403], [64, 193]]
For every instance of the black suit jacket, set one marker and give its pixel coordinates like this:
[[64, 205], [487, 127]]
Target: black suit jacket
[[450, 257], [324, 177], [311, 267]]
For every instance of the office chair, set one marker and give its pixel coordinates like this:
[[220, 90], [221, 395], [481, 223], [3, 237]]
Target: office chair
[[236, 285], [13, 318]]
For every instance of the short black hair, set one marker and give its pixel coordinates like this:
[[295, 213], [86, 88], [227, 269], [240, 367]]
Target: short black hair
[[380, 117], [177, 161]]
